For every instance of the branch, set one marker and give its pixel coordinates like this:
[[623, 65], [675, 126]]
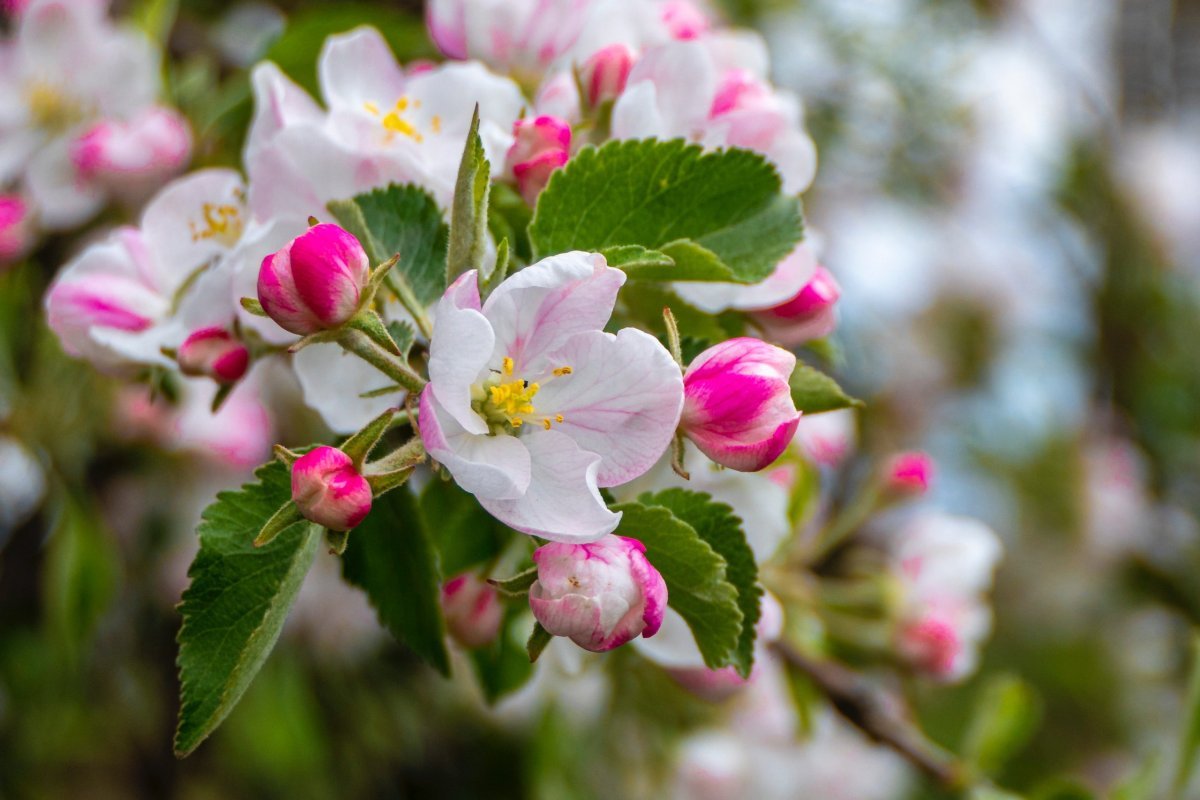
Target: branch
[[872, 711]]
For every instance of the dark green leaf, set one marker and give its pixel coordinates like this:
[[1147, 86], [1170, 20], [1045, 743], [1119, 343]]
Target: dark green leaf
[[695, 575], [238, 599], [1006, 716], [402, 220], [464, 534], [469, 214], [720, 527], [508, 218], [813, 392], [391, 558], [718, 216]]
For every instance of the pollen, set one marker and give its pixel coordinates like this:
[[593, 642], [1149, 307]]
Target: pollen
[[395, 123], [558, 418], [546, 423], [218, 221], [50, 107], [371, 108], [508, 366], [563, 371], [513, 398], [436, 123]]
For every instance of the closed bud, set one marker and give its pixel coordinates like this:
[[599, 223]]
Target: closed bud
[[15, 228], [599, 595], [472, 610], [328, 489], [542, 145], [931, 645], [134, 156], [214, 353], [738, 407], [605, 74], [811, 314], [909, 474], [316, 282]]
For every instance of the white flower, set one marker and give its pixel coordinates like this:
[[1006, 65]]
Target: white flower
[[532, 407]]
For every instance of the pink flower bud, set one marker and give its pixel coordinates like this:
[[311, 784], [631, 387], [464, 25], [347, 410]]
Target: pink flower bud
[[738, 406], [932, 645], [910, 473], [328, 489], [605, 74], [542, 145], [811, 314], [472, 610], [600, 595], [684, 20], [15, 228], [135, 155], [316, 282], [215, 353]]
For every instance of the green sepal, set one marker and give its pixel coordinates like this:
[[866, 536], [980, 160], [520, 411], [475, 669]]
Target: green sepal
[[518, 584], [287, 516], [537, 642]]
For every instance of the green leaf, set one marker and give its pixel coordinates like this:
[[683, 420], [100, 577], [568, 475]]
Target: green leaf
[[469, 212], [695, 575], [238, 599], [404, 220], [813, 391], [1005, 718], [81, 574], [503, 666], [722, 529], [1063, 789], [391, 558], [464, 534], [403, 335], [1189, 740], [645, 306], [1142, 784], [718, 216]]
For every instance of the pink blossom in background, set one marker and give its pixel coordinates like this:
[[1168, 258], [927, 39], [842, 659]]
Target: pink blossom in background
[[472, 610], [828, 438], [129, 158], [541, 146], [909, 473], [15, 228], [810, 314], [215, 353], [605, 74]]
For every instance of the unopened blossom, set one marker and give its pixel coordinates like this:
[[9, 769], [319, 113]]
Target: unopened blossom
[[533, 408], [599, 595], [213, 352], [118, 302], [316, 281], [130, 157], [541, 145], [944, 565], [909, 473], [826, 439], [606, 72], [810, 314], [738, 406], [68, 70], [15, 228], [329, 490], [472, 610]]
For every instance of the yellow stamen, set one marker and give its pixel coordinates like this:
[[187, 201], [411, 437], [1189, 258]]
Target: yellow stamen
[[516, 422], [558, 418], [371, 108], [436, 123], [508, 366], [546, 424], [563, 371], [220, 222]]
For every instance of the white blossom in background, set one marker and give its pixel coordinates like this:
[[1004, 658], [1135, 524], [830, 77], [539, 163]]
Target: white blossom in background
[[22, 484]]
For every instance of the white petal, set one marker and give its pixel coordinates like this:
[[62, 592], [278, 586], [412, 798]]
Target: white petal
[[674, 646], [333, 381], [175, 227], [278, 103], [790, 276], [358, 67], [636, 114], [450, 93], [62, 199], [622, 400], [562, 503], [493, 468], [459, 351], [686, 81]]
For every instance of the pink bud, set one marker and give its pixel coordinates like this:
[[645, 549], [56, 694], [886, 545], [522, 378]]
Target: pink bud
[[215, 353], [713, 685], [738, 406], [542, 145], [134, 155], [910, 473], [472, 610], [605, 74], [932, 645], [811, 314], [316, 282], [447, 25], [328, 489], [600, 595], [684, 20], [15, 228]]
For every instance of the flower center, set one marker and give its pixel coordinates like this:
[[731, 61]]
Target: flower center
[[395, 123], [51, 108], [220, 222], [506, 403]]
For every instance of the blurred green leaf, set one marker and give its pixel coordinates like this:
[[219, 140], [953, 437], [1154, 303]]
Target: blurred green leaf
[[813, 391], [696, 577], [1006, 716], [237, 602], [719, 216], [464, 534], [404, 220], [1189, 742], [1063, 789], [390, 557], [503, 666], [81, 576], [1142, 783]]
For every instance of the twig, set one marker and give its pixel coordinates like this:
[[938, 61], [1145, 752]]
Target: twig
[[866, 707]]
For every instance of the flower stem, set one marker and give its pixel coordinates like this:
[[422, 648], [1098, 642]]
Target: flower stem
[[389, 364]]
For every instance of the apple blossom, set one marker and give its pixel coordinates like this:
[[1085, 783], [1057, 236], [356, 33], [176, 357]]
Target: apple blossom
[[542, 145], [909, 473], [329, 490], [130, 157], [810, 314], [213, 352], [472, 610], [738, 407], [826, 439], [599, 595], [316, 281], [15, 228], [684, 20], [787, 279], [532, 407], [606, 72]]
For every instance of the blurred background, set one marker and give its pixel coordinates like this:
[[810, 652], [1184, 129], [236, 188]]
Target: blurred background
[[1009, 194]]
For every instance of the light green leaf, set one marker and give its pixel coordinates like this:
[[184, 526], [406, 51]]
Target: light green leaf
[[1143, 783], [1189, 740], [695, 575], [538, 640], [1006, 716], [391, 558], [718, 216], [238, 599], [813, 391], [469, 234], [722, 529], [404, 220], [81, 574]]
